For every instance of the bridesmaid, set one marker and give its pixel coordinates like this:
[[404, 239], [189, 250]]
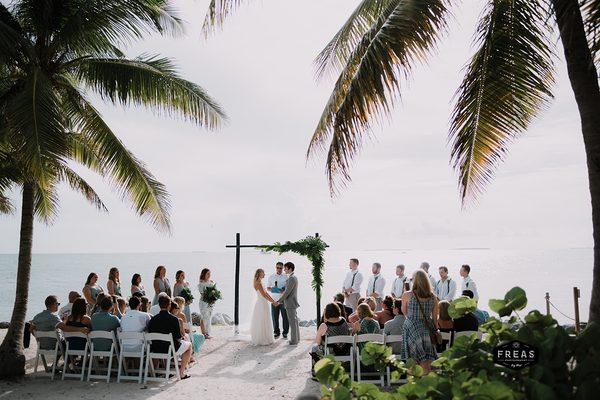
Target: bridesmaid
[[161, 283], [180, 284], [91, 290], [114, 283], [137, 286], [205, 308]]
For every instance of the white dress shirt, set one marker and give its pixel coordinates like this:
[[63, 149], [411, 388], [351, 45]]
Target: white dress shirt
[[376, 285], [134, 321], [432, 280], [445, 289], [65, 311], [353, 280], [154, 310], [277, 280], [469, 284], [399, 286]]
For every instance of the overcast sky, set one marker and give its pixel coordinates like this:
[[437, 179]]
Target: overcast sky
[[252, 176]]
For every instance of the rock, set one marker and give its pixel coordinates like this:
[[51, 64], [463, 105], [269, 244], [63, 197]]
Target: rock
[[227, 319], [195, 319], [221, 319], [308, 323], [4, 325]]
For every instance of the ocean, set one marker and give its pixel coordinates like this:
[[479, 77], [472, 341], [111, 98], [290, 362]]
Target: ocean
[[495, 271]]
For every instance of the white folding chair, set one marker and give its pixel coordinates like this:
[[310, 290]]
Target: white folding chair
[[345, 339], [368, 337], [128, 340], [95, 338], [389, 340], [76, 353], [170, 355], [43, 353]]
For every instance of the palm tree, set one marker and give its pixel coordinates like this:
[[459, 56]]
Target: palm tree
[[52, 53], [508, 81]]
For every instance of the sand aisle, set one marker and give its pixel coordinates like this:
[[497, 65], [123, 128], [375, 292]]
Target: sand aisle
[[224, 370]]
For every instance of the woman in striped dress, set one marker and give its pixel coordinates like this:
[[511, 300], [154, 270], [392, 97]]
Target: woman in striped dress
[[420, 306]]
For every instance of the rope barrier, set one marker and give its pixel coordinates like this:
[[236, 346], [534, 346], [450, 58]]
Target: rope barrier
[[563, 314]]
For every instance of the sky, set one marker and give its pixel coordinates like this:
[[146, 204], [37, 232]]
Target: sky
[[252, 176]]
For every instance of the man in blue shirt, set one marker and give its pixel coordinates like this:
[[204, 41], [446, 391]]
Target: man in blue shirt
[[104, 321]]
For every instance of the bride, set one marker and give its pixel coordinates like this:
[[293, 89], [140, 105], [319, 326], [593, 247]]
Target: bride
[[261, 324]]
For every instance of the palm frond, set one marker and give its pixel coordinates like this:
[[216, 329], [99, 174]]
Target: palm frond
[[79, 184], [46, 202], [334, 57], [110, 158], [591, 11], [6, 206], [151, 82], [218, 11], [403, 35], [507, 82]]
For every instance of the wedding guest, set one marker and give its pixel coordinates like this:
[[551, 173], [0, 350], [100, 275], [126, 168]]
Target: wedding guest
[[333, 325], [176, 311], [161, 283], [445, 288], [420, 306], [91, 290], [368, 323], [121, 305], [113, 285], [468, 283], [165, 322], [46, 321], [77, 321], [96, 307], [444, 323], [425, 267], [181, 285], [276, 285], [352, 318], [368, 301], [376, 286], [104, 320], [137, 286], [346, 311], [351, 287], [66, 309], [400, 284], [145, 302], [155, 309], [395, 326], [134, 320], [387, 312], [206, 309], [480, 315]]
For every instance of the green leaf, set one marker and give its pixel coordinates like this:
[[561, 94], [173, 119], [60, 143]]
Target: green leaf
[[461, 306]]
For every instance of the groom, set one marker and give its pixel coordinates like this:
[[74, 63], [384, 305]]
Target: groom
[[289, 298]]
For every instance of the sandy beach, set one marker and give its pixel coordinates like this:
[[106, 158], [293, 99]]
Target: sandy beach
[[224, 370]]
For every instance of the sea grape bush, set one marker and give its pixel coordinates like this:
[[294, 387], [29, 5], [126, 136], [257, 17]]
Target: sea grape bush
[[568, 367]]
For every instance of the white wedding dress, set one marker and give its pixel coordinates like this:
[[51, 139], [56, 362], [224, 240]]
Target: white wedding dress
[[261, 324]]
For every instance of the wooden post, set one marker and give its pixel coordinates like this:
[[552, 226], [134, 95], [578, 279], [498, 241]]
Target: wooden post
[[547, 303], [318, 293], [236, 311], [576, 301]]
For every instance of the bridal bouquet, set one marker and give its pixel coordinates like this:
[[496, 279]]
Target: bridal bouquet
[[211, 294], [186, 293]]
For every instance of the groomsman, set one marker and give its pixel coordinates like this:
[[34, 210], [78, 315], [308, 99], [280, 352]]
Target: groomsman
[[425, 267], [351, 288], [468, 283], [275, 286], [445, 288], [376, 285], [400, 284]]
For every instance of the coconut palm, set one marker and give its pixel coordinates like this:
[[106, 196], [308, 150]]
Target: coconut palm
[[53, 55], [508, 81]]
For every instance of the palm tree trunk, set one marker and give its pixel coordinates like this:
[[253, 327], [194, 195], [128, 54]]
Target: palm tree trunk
[[12, 359], [584, 82]]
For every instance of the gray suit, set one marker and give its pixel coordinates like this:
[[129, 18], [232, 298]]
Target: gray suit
[[289, 298]]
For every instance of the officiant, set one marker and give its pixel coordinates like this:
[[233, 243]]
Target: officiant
[[276, 286]]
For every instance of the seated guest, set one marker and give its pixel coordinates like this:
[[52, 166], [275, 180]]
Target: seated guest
[[165, 322], [77, 321], [122, 306], [444, 322], [395, 325], [66, 309], [105, 320], [346, 311], [334, 325], [134, 320], [96, 307], [386, 314], [155, 309], [368, 323], [144, 306], [370, 301], [352, 318], [480, 314], [47, 321], [176, 310]]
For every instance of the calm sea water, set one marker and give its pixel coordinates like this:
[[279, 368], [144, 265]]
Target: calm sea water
[[495, 271]]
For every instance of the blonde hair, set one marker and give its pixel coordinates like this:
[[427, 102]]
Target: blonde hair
[[257, 275], [444, 306], [363, 311], [112, 275], [180, 301], [158, 270], [371, 303], [421, 285]]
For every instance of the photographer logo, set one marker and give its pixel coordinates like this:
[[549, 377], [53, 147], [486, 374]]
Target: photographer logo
[[515, 354]]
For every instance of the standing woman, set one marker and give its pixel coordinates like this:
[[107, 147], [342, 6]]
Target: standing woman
[[114, 283], [180, 284], [161, 283], [420, 306], [205, 308], [136, 285], [91, 290]]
